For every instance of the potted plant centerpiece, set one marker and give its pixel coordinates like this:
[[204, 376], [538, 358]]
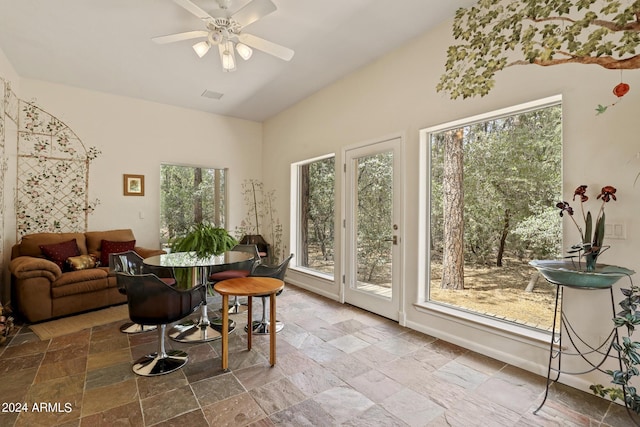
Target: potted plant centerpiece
[[204, 240]]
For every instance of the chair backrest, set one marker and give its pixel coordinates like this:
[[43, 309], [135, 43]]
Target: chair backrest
[[275, 271], [253, 250], [131, 263], [215, 271], [262, 245], [126, 262], [152, 302]]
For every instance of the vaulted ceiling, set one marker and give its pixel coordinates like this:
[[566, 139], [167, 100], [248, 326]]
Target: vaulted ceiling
[[106, 46]]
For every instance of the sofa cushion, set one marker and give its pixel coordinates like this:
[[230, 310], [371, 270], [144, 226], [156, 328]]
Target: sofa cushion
[[78, 282], [30, 244], [59, 252], [81, 262], [80, 276], [95, 238], [108, 247]]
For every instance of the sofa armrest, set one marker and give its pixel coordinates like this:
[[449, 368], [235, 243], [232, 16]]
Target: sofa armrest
[[26, 267], [146, 252]]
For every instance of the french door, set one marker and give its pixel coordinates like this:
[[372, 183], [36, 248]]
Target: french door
[[373, 198]]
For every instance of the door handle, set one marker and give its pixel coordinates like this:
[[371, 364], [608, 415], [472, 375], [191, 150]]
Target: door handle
[[394, 240]]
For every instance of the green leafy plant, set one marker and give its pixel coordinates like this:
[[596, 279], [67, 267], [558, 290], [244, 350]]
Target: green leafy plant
[[628, 354], [205, 240]]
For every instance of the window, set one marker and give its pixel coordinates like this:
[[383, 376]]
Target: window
[[190, 195], [314, 192], [493, 184]]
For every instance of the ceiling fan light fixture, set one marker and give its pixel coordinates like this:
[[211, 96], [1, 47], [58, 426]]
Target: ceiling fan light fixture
[[244, 51], [228, 57], [225, 30], [215, 37], [201, 48]]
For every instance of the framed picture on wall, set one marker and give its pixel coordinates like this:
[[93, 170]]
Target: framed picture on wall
[[133, 185]]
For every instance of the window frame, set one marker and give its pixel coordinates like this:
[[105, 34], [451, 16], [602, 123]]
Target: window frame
[[422, 302], [222, 206], [295, 206]]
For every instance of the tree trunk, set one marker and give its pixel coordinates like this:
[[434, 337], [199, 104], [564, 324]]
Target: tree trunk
[[503, 237], [453, 204], [303, 253], [217, 197], [197, 203]]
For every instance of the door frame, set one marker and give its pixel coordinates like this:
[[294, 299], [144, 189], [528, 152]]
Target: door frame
[[345, 193]]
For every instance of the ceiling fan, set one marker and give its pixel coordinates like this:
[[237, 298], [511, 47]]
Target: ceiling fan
[[226, 31]]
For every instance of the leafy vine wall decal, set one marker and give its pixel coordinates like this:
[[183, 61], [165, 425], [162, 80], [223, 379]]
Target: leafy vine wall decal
[[52, 174], [52, 171], [3, 167]]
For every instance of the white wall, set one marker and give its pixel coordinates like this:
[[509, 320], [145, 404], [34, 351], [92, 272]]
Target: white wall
[[396, 94], [6, 69], [8, 222], [135, 137]]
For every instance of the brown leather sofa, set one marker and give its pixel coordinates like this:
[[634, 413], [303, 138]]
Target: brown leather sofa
[[41, 290]]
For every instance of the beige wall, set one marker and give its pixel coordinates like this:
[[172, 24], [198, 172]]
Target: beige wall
[[396, 95], [8, 155], [135, 137]]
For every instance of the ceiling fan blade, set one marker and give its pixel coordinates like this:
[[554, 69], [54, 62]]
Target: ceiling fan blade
[[253, 11], [180, 36], [266, 46], [193, 9]]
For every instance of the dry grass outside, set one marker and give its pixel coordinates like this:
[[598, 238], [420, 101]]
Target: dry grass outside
[[493, 291], [500, 292]]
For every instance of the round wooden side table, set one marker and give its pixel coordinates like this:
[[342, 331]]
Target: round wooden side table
[[249, 287]]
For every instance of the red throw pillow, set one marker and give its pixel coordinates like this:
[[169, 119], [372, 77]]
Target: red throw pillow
[[107, 247], [59, 252]]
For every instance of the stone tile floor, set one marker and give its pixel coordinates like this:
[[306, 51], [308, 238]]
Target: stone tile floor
[[336, 365]]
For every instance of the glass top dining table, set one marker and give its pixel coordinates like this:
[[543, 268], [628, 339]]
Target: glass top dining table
[[227, 260], [198, 269]]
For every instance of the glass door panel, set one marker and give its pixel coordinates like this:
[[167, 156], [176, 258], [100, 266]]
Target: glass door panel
[[372, 227]]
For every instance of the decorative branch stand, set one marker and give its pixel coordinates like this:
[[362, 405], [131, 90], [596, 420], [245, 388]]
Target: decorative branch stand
[[564, 274]]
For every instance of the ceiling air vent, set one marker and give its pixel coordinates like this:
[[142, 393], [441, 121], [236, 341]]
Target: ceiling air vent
[[211, 94]]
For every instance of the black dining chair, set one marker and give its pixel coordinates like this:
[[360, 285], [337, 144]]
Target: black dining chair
[[262, 326], [152, 302], [242, 271], [131, 263]]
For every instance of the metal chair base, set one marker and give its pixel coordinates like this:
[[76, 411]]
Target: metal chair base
[[237, 307], [161, 362], [202, 329], [136, 328], [262, 328], [193, 331], [152, 364]]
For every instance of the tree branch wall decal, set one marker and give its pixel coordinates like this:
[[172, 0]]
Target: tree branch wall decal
[[496, 34]]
